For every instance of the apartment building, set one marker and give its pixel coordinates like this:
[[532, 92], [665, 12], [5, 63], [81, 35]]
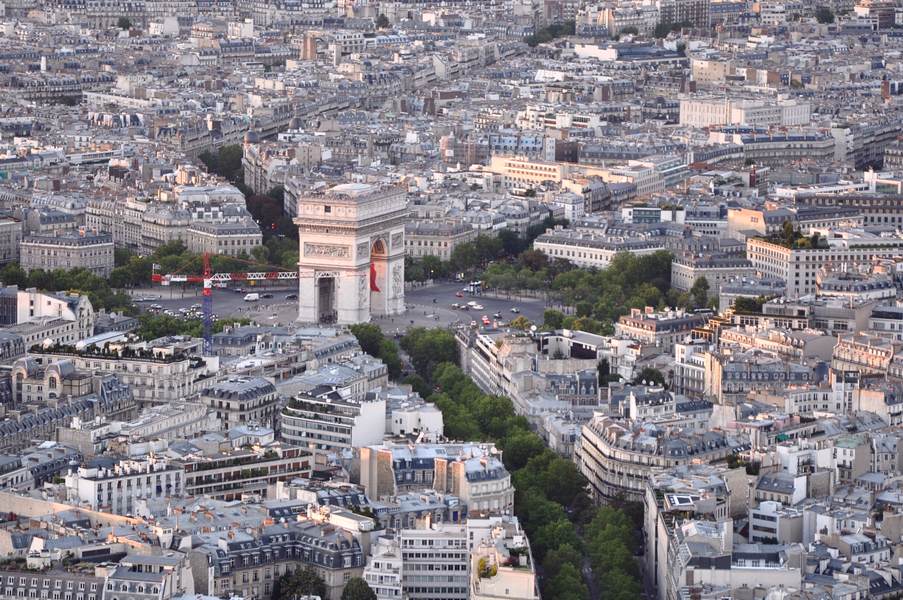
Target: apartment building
[[232, 238], [118, 489], [617, 456], [716, 270], [154, 378], [704, 112], [659, 329], [798, 266], [472, 472], [328, 420], [56, 583], [72, 308], [593, 249], [435, 562], [248, 564], [243, 401], [10, 238], [90, 251], [228, 475], [501, 564], [439, 239]]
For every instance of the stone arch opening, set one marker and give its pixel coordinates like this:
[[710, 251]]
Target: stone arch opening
[[379, 277]]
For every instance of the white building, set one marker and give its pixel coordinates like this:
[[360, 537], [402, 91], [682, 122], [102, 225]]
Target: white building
[[799, 267], [435, 562], [501, 564], [116, 490], [383, 572], [32, 305], [330, 421], [705, 112]]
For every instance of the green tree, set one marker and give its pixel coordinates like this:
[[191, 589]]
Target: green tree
[[521, 322], [382, 22], [300, 582], [433, 266], [700, 292], [419, 385], [373, 342], [428, 348], [551, 535], [650, 376], [749, 305], [357, 589], [388, 353], [552, 319], [13, 274], [562, 481], [464, 257], [824, 15], [277, 194], [124, 23], [225, 163], [267, 211], [122, 256], [555, 559], [512, 243], [519, 446], [369, 337], [788, 233], [567, 584]]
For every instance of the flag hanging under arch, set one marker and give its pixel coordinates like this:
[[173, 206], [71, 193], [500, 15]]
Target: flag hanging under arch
[[373, 286]]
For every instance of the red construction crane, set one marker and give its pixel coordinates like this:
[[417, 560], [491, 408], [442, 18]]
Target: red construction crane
[[208, 278]]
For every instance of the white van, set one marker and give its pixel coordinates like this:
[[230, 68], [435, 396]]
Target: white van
[[254, 297]]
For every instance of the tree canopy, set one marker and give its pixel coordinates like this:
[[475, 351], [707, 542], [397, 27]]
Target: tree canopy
[[300, 582], [824, 15], [373, 342], [428, 348], [357, 589], [550, 498], [79, 280], [547, 34]]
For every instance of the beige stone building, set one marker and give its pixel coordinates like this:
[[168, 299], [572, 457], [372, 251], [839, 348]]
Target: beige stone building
[[229, 238], [92, 251], [427, 238]]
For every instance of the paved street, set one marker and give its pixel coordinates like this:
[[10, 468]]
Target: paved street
[[422, 311], [227, 302], [420, 300]]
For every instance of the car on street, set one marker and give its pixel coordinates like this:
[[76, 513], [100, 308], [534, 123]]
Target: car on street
[[267, 295], [455, 305], [515, 309], [486, 321], [291, 296], [459, 294], [478, 307], [497, 315]]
